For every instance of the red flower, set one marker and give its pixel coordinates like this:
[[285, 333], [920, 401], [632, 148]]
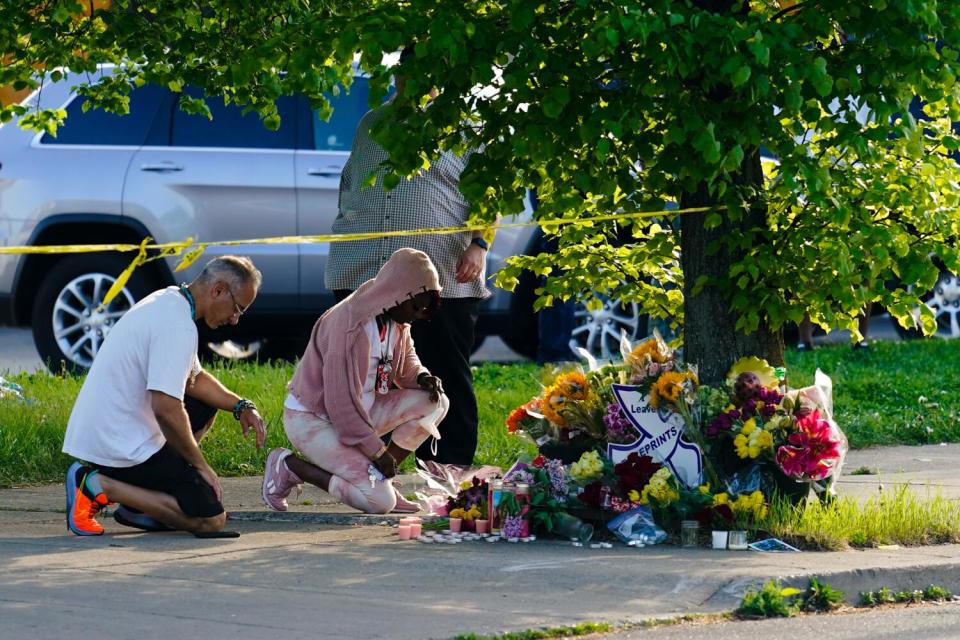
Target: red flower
[[591, 495], [539, 462], [812, 451], [635, 472]]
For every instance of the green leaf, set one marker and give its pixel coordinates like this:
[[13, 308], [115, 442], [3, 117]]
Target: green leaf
[[740, 76], [390, 181]]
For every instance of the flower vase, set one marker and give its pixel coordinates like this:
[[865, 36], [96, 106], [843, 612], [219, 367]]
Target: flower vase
[[689, 532], [737, 540], [572, 527]]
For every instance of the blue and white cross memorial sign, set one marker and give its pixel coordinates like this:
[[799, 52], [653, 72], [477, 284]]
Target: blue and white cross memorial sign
[[660, 436]]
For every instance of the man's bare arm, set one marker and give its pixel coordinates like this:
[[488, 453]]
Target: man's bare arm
[[211, 391]]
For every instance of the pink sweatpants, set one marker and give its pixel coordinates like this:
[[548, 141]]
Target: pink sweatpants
[[408, 413]]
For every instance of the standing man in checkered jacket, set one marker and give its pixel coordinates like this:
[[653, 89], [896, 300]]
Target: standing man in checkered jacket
[[431, 199]]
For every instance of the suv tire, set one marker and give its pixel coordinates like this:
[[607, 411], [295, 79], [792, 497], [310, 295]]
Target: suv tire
[[944, 301], [68, 327]]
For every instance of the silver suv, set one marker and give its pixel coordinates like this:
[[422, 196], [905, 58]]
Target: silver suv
[[163, 173]]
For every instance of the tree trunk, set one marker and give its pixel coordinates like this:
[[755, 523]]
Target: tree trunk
[[710, 339]]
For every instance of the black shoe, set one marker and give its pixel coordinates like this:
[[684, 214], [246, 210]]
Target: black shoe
[[138, 520], [863, 344]]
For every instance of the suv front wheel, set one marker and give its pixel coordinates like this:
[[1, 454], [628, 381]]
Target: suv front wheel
[[69, 325], [944, 301]]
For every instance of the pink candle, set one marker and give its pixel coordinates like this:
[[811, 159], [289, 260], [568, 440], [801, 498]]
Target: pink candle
[[404, 531], [482, 526], [415, 529], [455, 524]]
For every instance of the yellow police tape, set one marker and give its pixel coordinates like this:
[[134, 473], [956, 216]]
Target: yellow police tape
[[169, 249]]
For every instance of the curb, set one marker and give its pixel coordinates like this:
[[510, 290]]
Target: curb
[[855, 581]]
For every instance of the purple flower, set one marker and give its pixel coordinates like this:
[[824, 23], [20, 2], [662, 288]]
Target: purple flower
[[512, 526], [770, 396], [558, 479], [619, 429], [520, 475]]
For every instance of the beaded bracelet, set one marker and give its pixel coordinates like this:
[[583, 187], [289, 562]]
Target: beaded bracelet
[[241, 406]]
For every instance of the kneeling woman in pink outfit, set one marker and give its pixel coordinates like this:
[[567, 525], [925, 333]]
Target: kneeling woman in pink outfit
[[359, 379]]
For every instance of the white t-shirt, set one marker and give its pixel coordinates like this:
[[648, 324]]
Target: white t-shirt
[[153, 347], [377, 349]]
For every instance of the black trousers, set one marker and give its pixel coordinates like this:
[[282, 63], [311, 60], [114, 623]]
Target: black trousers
[[166, 472], [444, 344]]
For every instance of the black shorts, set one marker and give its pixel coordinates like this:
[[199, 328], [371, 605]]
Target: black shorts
[[166, 472]]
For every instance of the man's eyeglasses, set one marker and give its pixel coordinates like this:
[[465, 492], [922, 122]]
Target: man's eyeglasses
[[237, 309]]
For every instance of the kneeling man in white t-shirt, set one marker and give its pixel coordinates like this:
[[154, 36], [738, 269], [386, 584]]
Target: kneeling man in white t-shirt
[[145, 404]]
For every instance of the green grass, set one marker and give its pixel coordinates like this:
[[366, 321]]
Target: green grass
[[575, 631], [877, 395], [898, 516], [891, 393]]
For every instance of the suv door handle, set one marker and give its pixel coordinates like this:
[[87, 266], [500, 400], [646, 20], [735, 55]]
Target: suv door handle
[[330, 172], [161, 167]]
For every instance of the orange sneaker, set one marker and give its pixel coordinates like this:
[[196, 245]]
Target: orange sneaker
[[83, 503]]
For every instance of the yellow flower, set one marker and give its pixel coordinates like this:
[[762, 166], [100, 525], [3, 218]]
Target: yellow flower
[[742, 445], [649, 349], [721, 498], [752, 441], [456, 513], [466, 484], [568, 387], [752, 506], [669, 387], [764, 440], [762, 369], [588, 467], [633, 495], [660, 488]]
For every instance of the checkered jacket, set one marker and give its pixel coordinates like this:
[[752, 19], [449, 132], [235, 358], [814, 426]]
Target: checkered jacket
[[431, 199]]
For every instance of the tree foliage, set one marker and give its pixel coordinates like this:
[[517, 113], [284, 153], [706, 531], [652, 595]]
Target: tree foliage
[[609, 106]]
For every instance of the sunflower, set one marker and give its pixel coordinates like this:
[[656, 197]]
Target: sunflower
[[569, 387], [650, 350], [669, 387]]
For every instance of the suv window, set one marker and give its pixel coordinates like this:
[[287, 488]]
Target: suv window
[[99, 127], [337, 135], [231, 128]]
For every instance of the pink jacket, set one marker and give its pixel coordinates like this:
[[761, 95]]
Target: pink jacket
[[329, 378]]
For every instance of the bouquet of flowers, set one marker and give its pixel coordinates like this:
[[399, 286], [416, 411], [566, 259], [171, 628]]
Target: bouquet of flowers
[[568, 415], [743, 512], [470, 503], [762, 424], [612, 487]]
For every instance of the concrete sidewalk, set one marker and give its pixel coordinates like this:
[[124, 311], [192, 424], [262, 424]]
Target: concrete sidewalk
[[322, 571]]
